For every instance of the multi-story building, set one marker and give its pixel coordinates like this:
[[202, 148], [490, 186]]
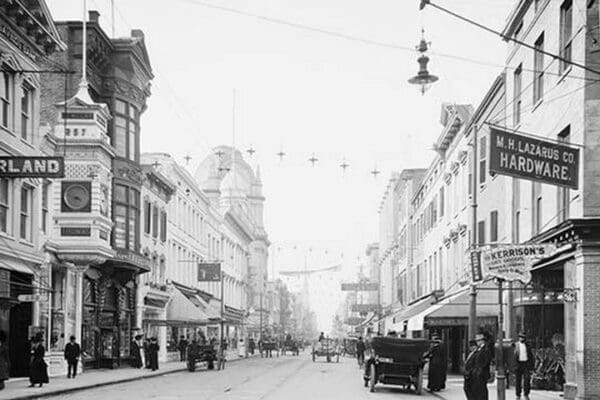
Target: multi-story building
[[27, 36], [557, 100], [97, 226], [372, 272], [153, 293]]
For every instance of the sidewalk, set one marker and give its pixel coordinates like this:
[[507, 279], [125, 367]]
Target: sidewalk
[[454, 391], [17, 388]]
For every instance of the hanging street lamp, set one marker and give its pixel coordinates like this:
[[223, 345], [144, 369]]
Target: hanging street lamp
[[423, 78]]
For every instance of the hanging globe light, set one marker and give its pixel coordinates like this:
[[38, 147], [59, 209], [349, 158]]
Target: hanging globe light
[[423, 78]]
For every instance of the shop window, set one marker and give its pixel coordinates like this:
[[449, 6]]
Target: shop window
[[481, 233], [163, 226], [494, 226]]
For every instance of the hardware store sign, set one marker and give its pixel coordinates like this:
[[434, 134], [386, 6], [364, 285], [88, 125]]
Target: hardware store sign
[[513, 263], [533, 159]]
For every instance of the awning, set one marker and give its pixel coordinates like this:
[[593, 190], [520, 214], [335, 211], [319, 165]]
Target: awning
[[454, 309], [16, 266], [181, 308], [232, 314]]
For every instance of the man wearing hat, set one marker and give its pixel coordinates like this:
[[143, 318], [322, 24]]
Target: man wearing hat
[[524, 363], [481, 370], [438, 364]]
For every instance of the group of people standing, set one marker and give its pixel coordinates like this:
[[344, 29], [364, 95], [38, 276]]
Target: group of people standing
[[145, 352]]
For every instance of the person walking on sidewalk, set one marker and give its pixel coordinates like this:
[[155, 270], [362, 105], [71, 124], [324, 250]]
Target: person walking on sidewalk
[[469, 370], [360, 352], [524, 361], [437, 365], [38, 369], [4, 359], [137, 352], [153, 348], [72, 353], [182, 346]]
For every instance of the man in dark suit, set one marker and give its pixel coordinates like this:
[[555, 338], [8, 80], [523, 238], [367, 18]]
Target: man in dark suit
[[182, 346], [524, 363], [481, 372], [469, 370], [72, 353]]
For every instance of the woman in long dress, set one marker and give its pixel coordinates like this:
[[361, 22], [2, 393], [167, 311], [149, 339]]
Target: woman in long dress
[[38, 369], [436, 379], [136, 352]]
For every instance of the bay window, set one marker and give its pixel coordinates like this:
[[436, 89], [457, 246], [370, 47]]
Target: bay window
[[126, 128], [126, 217]]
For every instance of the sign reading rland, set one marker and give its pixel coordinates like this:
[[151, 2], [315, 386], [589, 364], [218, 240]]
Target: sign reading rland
[[32, 167], [533, 159]]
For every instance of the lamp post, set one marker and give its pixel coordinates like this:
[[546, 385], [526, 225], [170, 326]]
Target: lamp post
[[423, 78]]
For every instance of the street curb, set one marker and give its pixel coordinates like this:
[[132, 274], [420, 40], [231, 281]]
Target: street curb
[[59, 392]]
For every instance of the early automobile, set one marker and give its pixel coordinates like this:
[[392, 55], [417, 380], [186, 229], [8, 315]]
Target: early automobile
[[327, 348], [396, 361], [197, 353]]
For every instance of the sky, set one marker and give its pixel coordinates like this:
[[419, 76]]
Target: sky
[[322, 77]]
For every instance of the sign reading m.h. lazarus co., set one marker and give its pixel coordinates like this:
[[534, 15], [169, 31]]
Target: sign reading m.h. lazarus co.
[[533, 159]]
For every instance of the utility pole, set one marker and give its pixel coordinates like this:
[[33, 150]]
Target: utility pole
[[501, 387], [474, 235]]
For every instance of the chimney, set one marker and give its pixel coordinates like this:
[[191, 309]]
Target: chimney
[[94, 16]]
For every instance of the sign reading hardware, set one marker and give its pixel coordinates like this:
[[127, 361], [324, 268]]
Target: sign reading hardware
[[209, 272], [360, 286], [513, 262], [32, 167], [365, 308], [533, 159]]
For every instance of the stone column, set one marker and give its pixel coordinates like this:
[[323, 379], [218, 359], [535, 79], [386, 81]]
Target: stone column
[[79, 271], [587, 326]]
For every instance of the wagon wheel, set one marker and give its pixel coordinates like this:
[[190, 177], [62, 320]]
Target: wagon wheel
[[419, 383], [372, 378]]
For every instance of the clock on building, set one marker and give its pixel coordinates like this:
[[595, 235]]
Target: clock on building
[[76, 197]]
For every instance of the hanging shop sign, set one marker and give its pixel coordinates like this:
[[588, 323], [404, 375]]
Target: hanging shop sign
[[365, 308], [476, 272], [32, 167], [513, 262], [353, 320], [360, 286], [533, 159], [29, 298], [209, 272]]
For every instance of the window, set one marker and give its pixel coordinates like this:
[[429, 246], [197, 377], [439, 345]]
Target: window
[[163, 226], [442, 205], [25, 217], [26, 108], [518, 30], [126, 130], [482, 159], [538, 216], [517, 87], [126, 212], [518, 227], [538, 70], [481, 233], [147, 216], [4, 204], [45, 193], [6, 96], [155, 221], [494, 226], [563, 200], [536, 206], [566, 33]]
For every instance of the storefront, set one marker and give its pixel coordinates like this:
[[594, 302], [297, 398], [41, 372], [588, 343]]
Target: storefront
[[152, 306]]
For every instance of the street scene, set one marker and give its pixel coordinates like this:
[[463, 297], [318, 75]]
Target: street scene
[[318, 199]]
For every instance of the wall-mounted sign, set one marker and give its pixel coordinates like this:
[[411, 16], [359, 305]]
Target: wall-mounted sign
[[32, 167], [75, 231], [513, 262], [72, 115], [360, 286], [209, 272], [533, 159], [353, 320], [365, 308], [29, 298], [476, 273], [133, 258]]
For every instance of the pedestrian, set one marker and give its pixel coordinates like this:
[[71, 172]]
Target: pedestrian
[[38, 369], [153, 349], [360, 351], [436, 378], [251, 345], [137, 352], [182, 346], [470, 370], [146, 347], [4, 359], [524, 363], [72, 353], [481, 372], [321, 336]]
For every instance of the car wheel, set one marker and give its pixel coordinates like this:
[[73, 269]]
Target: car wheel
[[372, 378]]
